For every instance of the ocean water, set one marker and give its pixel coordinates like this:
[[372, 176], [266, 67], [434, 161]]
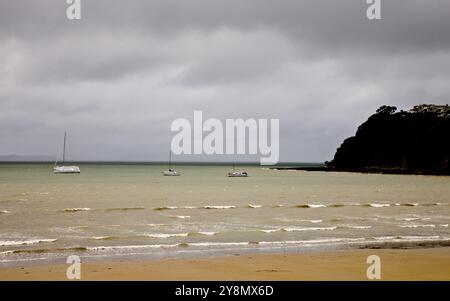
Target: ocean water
[[115, 211]]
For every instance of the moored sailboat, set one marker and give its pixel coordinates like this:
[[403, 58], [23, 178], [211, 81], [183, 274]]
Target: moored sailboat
[[65, 169], [237, 174], [170, 171]]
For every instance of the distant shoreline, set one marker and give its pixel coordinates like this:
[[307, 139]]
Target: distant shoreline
[[368, 170]]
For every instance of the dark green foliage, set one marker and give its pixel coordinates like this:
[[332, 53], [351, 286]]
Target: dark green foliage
[[416, 141]]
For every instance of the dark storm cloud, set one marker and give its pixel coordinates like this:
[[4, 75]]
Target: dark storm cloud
[[127, 69]]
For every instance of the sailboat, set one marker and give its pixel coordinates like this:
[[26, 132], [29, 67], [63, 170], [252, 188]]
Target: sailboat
[[65, 169], [237, 174], [170, 171]]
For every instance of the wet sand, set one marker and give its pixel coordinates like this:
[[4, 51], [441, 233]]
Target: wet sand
[[417, 264]]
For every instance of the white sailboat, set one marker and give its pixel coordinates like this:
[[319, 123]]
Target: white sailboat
[[237, 174], [65, 169], [170, 171]]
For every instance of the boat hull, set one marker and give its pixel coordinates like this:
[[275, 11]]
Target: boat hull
[[169, 173], [66, 169], [237, 174]]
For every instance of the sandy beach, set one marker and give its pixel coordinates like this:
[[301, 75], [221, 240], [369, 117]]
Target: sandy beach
[[417, 264]]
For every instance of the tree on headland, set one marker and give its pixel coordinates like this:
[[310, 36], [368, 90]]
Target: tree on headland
[[414, 141], [386, 110]]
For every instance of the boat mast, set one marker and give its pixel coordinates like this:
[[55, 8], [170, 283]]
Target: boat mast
[[170, 159], [64, 148]]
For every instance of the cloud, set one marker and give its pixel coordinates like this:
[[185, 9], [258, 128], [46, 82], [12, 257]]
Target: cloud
[[116, 79]]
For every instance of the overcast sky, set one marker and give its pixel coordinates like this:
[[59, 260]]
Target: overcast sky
[[116, 79]]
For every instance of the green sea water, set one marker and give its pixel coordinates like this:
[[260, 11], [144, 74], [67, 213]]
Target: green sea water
[[133, 210]]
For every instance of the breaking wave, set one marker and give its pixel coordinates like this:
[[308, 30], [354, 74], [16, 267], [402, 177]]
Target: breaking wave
[[218, 207], [76, 209], [5, 243]]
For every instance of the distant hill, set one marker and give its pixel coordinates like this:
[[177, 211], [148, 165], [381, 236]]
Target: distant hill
[[391, 141], [32, 158]]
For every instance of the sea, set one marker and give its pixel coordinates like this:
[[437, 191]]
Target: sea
[[131, 211]]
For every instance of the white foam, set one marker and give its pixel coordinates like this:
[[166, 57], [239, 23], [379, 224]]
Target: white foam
[[218, 207], [408, 219], [418, 226], [316, 206], [101, 237], [311, 206], [180, 216], [76, 209], [313, 241], [4, 243], [166, 235], [294, 229], [378, 205], [254, 206], [270, 230], [356, 226], [217, 244], [314, 221], [207, 233], [102, 248]]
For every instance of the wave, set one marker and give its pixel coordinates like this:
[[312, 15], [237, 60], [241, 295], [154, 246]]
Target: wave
[[387, 242], [410, 204], [253, 206], [270, 230], [314, 221], [290, 220], [165, 208], [169, 235], [218, 207], [295, 229], [217, 244], [180, 216], [418, 226], [166, 235], [377, 205], [37, 251], [354, 227], [407, 237], [311, 206], [76, 209], [5, 243], [130, 247], [103, 237], [4, 212], [173, 208], [408, 219], [124, 209], [202, 233]]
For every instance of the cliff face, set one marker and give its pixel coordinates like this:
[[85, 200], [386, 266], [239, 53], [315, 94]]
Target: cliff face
[[417, 141]]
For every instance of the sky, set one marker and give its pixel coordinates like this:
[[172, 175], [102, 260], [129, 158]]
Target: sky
[[116, 79]]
